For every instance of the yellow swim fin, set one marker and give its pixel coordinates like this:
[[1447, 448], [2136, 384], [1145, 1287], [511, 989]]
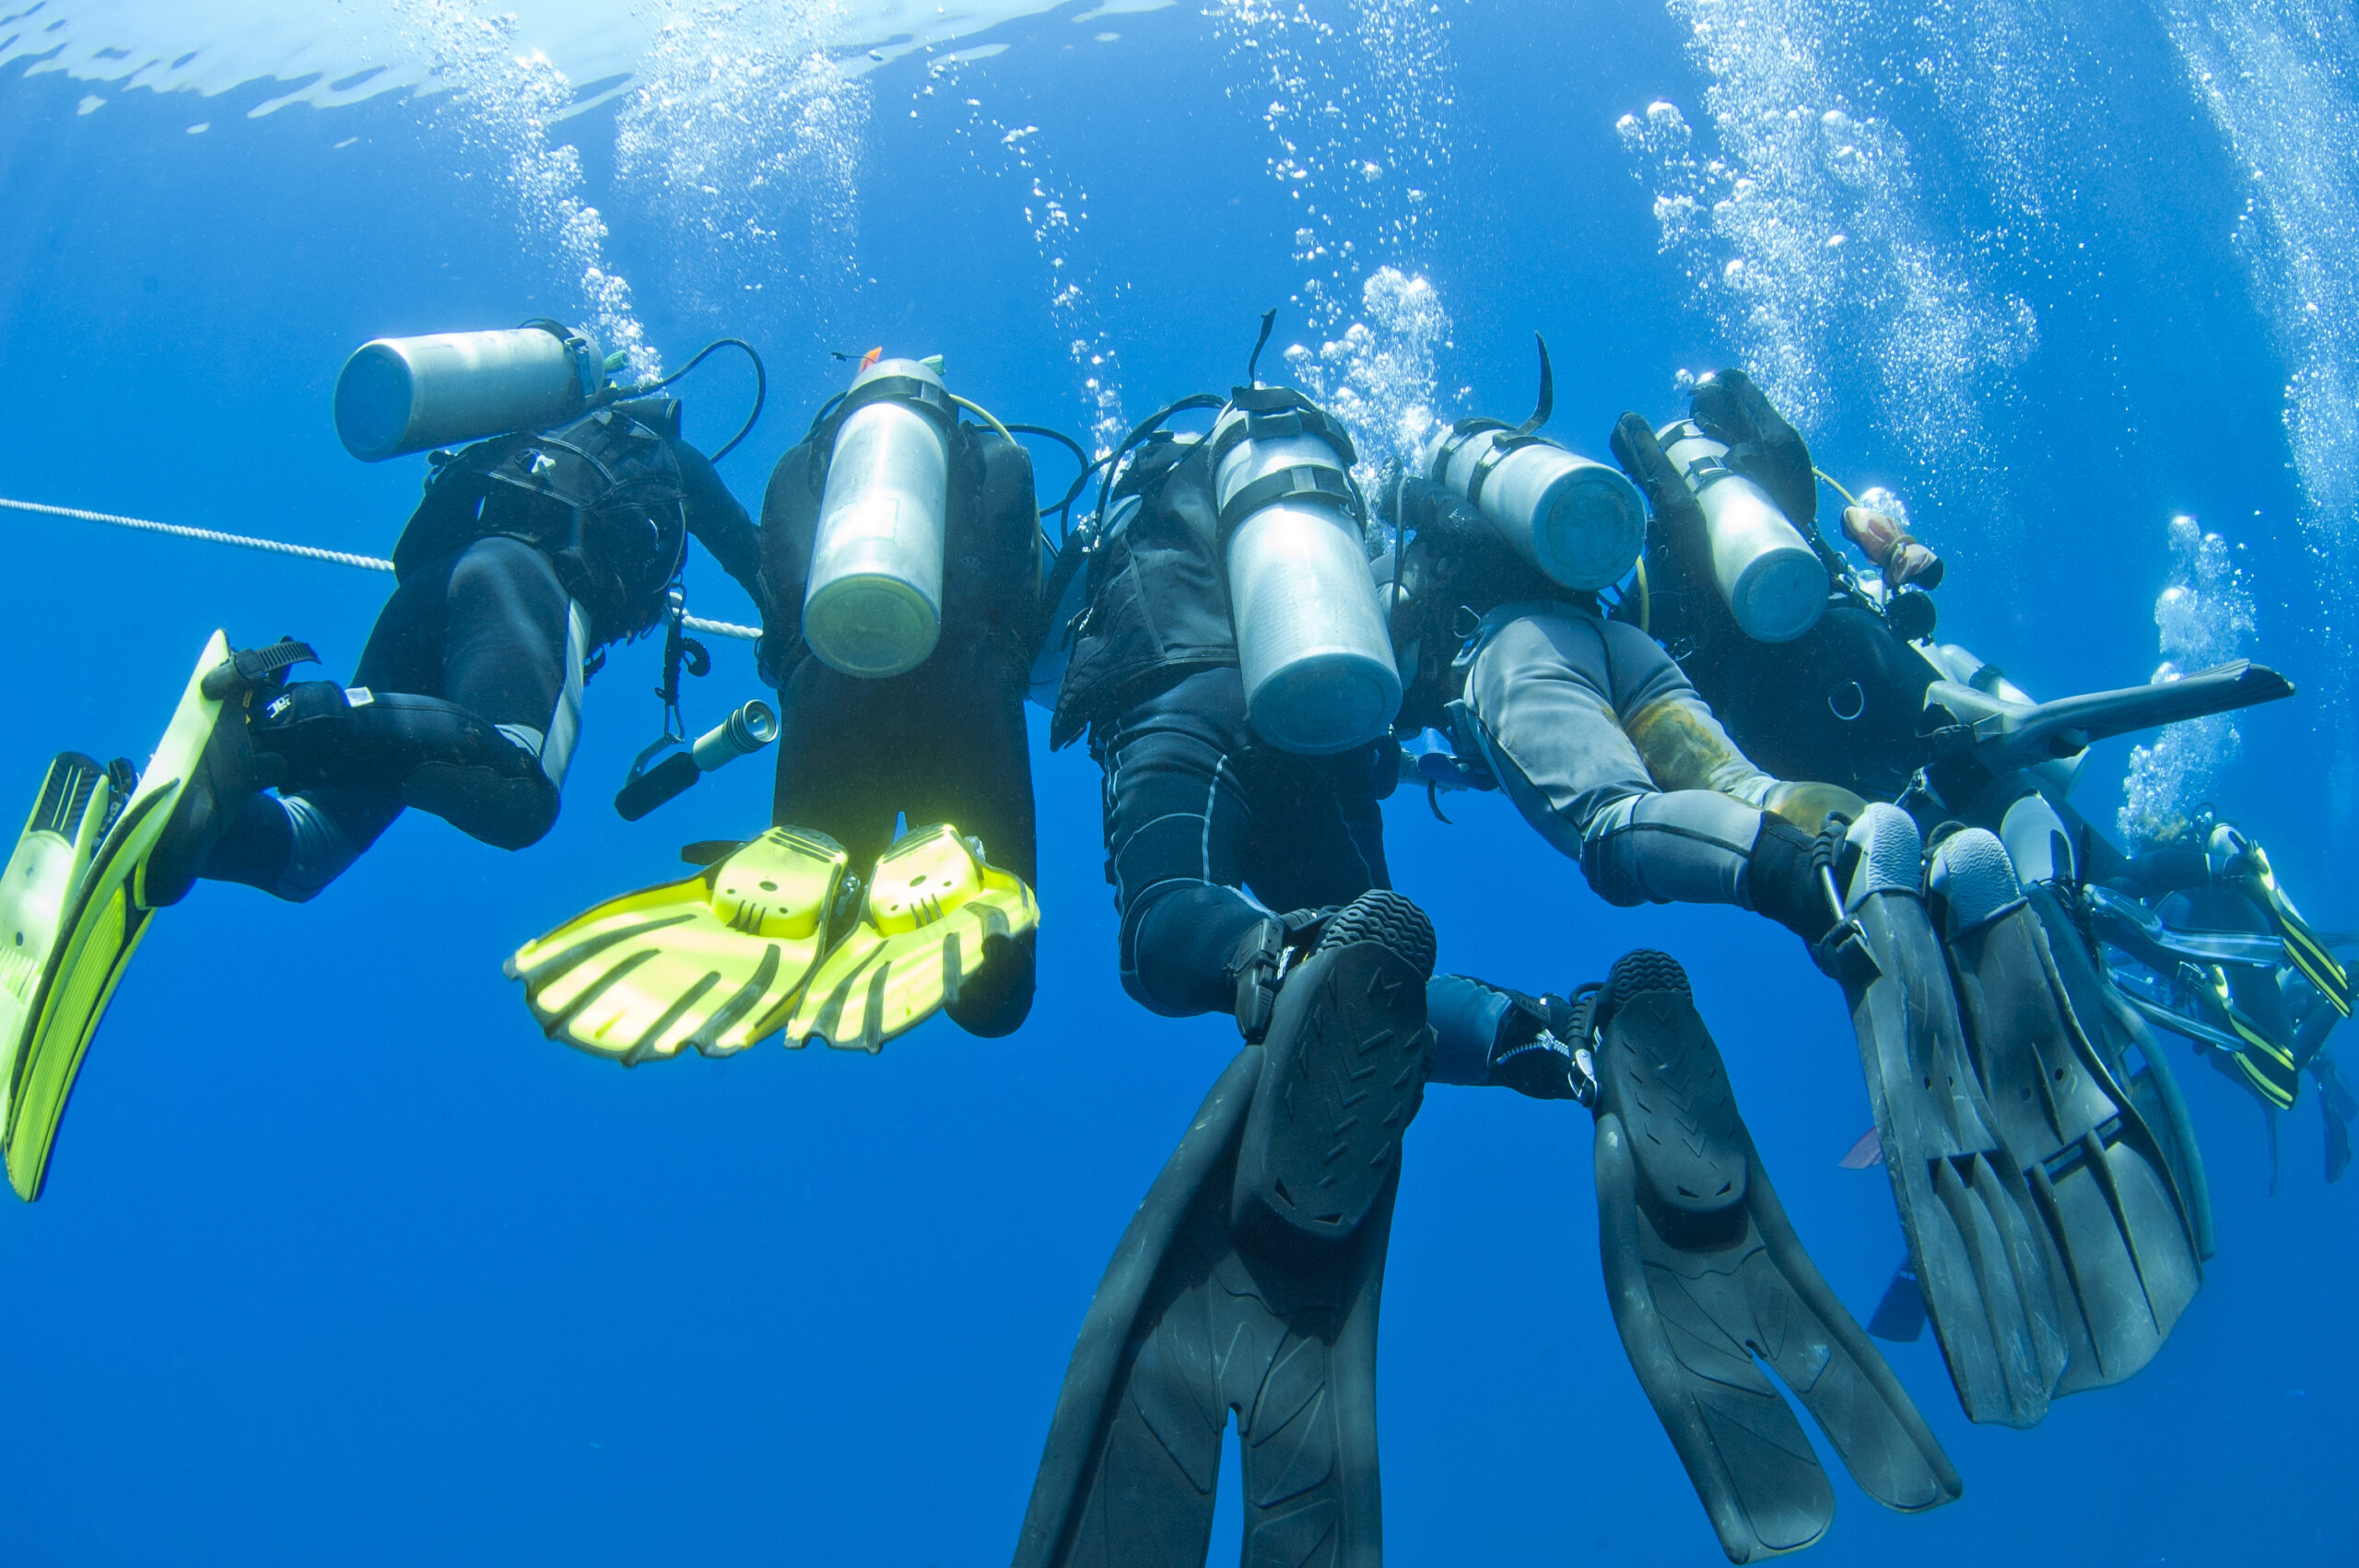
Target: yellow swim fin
[[69, 817], [2267, 1067], [932, 906], [712, 961], [2302, 948], [102, 916]]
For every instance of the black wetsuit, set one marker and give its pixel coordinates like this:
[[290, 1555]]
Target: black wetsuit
[[1209, 830], [527, 554], [945, 741]]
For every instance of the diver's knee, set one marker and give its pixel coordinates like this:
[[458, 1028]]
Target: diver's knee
[[998, 999], [1609, 853], [502, 810]]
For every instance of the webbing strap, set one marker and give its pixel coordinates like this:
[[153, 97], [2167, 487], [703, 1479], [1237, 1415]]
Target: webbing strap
[[1302, 481]]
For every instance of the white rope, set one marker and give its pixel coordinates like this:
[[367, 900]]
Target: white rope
[[337, 557], [305, 552], [721, 628]]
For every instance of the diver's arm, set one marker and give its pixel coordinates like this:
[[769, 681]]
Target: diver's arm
[[716, 519]]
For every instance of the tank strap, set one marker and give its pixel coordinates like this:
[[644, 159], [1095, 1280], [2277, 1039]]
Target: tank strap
[[1504, 447], [1460, 434], [921, 394], [1272, 412], [1303, 482], [926, 398]]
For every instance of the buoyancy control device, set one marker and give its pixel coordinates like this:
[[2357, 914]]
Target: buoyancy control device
[[1311, 642], [1775, 584]]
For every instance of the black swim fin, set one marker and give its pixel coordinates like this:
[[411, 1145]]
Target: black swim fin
[[1980, 1250], [1249, 1282], [2153, 1084], [1706, 1274], [2001, 734], [1900, 1316], [2101, 1179]]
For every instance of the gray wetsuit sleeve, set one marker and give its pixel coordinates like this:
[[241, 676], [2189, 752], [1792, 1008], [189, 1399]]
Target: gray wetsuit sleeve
[[1554, 695]]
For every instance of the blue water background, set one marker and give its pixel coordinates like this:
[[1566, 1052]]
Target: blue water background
[[341, 1262]]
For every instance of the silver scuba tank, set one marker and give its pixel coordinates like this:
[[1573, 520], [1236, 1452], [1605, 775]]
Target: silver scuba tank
[[1775, 584], [397, 395], [1311, 641], [874, 604], [1581, 523]]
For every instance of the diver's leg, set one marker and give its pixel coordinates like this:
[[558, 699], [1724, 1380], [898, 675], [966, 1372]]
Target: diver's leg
[[1540, 692], [512, 657], [974, 768], [1178, 820], [1317, 834], [837, 758], [486, 744], [291, 846]]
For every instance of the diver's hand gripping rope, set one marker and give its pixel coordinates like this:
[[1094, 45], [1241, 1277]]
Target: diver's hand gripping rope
[[305, 552]]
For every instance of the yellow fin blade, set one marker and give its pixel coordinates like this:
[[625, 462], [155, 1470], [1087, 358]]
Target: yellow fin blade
[[934, 913], [710, 962], [100, 926]]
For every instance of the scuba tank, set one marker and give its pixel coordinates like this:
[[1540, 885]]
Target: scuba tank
[[1774, 582], [398, 396], [1581, 523], [873, 606], [1311, 642]]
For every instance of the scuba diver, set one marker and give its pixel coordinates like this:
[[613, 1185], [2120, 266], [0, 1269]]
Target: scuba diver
[[1865, 694], [1230, 662], [901, 577], [529, 553], [2045, 1222], [2201, 940]]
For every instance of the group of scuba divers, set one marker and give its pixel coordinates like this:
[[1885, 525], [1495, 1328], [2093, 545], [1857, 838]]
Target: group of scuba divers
[[1676, 676]]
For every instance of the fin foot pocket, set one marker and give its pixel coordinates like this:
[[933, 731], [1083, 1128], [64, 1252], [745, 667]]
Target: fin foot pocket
[[1704, 1274], [1343, 1069]]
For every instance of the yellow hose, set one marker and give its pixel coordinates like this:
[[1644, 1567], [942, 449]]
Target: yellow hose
[[1849, 499], [985, 415]]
